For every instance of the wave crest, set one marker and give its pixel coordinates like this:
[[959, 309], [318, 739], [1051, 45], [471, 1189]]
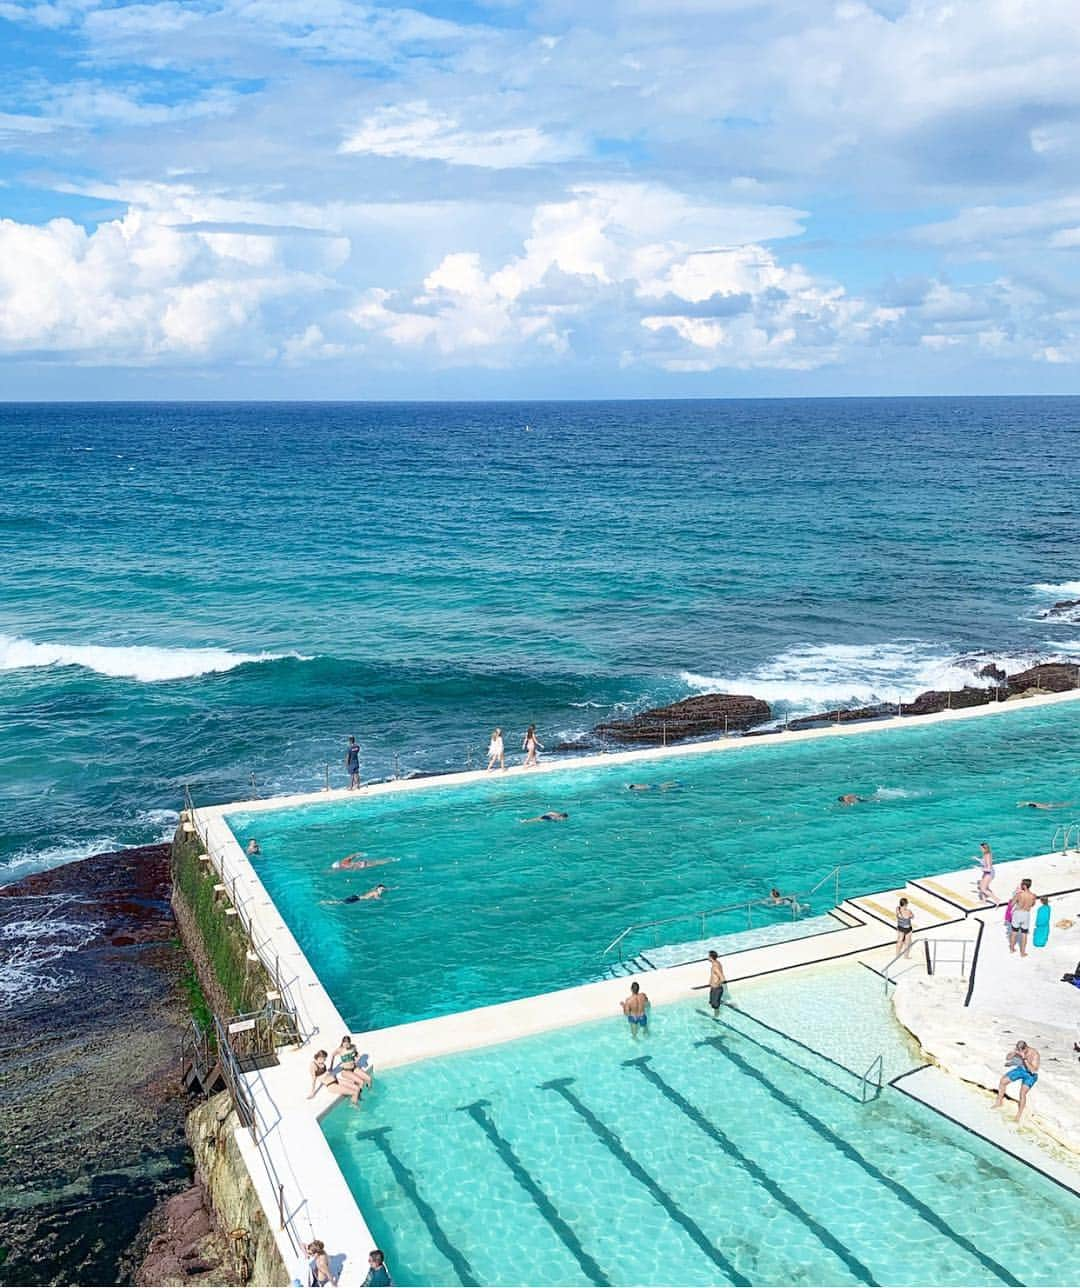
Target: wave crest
[[815, 677], [143, 662]]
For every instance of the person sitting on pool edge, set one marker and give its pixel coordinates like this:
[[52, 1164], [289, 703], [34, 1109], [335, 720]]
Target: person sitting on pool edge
[[636, 1008]]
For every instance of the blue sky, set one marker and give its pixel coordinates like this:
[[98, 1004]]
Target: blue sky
[[485, 198]]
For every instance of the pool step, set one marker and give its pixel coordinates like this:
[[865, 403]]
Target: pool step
[[929, 909], [632, 966]]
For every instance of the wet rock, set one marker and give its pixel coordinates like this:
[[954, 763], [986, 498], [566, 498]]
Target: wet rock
[[1066, 609], [992, 672], [1050, 677], [707, 713], [843, 715], [946, 700]]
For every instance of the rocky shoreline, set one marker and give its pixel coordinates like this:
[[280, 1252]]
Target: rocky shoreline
[[712, 714], [92, 1121]]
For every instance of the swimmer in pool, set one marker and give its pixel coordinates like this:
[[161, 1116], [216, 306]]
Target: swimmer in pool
[[253, 848], [850, 798], [354, 863], [552, 816], [654, 787], [1043, 804], [376, 892]]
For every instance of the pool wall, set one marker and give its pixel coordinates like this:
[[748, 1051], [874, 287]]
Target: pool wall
[[291, 1150]]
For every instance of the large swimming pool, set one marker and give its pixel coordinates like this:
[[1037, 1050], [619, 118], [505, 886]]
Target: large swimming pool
[[483, 907], [705, 1153]]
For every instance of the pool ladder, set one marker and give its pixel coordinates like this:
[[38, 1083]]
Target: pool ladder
[[1062, 834], [870, 1082]]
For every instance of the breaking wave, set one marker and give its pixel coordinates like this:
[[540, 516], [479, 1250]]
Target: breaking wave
[[143, 662], [813, 677]]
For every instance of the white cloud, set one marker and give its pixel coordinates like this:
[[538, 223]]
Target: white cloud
[[416, 131]]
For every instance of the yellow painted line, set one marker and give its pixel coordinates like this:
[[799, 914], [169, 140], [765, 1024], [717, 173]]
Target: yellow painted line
[[947, 893], [934, 912], [876, 908]]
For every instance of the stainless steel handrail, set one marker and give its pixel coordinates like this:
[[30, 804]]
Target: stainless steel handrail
[[745, 905], [1062, 832], [868, 1080]]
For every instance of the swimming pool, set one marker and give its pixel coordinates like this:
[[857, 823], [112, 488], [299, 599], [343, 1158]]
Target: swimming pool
[[484, 908], [704, 1153]]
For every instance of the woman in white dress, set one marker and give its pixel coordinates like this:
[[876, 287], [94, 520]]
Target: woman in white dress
[[496, 751]]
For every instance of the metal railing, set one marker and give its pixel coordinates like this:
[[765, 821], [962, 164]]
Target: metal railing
[[247, 1112], [791, 904], [870, 1082], [1062, 834], [932, 958]]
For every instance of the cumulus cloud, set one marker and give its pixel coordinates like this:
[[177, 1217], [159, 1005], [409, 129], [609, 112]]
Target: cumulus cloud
[[138, 290]]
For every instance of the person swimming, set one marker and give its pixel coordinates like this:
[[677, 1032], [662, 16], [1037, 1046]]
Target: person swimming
[[654, 787], [354, 863], [1043, 804], [253, 848], [850, 798], [376, 892], [552, 816]]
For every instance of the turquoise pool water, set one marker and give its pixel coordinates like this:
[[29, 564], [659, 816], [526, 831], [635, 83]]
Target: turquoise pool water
[[483, 908], [702, 1154]]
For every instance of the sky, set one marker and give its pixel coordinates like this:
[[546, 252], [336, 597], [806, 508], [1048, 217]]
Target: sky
[[555, 199]]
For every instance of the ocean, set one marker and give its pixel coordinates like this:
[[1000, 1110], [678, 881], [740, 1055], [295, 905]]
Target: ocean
[[219, 594]]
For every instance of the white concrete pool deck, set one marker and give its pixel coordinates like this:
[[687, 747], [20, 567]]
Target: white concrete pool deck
[[317, 1198]]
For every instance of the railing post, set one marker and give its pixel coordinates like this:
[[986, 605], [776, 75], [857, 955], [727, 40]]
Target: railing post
[[254, 786], [281, 1205], [327, 775], [397, 767]]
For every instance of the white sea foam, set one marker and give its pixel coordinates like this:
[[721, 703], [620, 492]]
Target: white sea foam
[[34, 942], [143, 662], [1059, 589], [148, 827], [813, 677], [896, 794]]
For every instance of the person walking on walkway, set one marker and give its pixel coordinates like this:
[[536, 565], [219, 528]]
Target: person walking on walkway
[[496, 750], [352, 763], [986, 875], [716, 983], [1025, 1061], [531, 745]]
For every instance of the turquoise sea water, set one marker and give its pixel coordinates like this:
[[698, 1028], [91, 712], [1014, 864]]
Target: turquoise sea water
[[702, 1154], [484, 908], [206, 592]]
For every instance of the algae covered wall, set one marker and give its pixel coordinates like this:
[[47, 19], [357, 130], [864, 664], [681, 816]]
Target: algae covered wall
[[216, 942]]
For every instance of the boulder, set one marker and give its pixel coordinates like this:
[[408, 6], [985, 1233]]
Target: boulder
[[1068, 609], [991, 671], [1050, 677], [691, 718], [945, 700]]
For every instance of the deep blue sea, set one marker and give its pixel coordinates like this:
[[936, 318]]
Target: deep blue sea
[[206, 592]]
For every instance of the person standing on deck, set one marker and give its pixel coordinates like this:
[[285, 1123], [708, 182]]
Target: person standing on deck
[[531, 745], [1022, 903], [905, 920], [352, 763], [496, 750], [716, 983]]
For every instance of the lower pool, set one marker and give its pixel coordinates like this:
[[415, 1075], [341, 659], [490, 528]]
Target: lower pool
[[703, 1153], [484, 906]]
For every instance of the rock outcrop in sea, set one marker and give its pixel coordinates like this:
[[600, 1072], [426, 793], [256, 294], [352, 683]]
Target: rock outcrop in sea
[[691, 718]]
